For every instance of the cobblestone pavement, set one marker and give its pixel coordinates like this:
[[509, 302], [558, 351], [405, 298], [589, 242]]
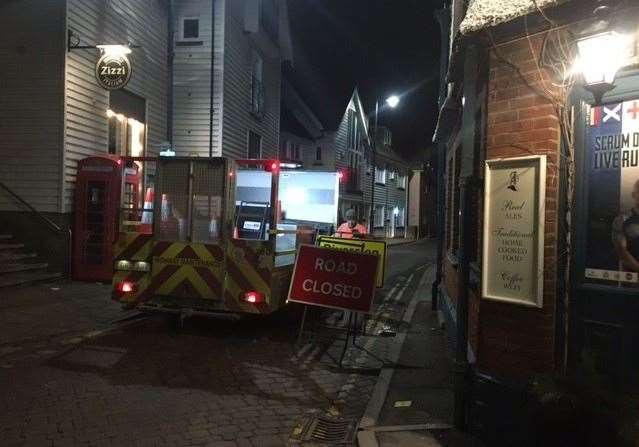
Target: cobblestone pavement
[[212, 383]]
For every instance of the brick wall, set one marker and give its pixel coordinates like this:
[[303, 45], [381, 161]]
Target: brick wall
[[516, 340]]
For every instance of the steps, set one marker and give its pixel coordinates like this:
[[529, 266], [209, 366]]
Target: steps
[[18, 266]]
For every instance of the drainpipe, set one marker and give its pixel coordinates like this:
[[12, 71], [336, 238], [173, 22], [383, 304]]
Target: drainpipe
[[170, 55], [212, 77], [443, 17], [472, 142]]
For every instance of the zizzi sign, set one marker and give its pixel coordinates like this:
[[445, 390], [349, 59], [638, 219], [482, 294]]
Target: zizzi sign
[[333, 278], [113, 71], [513, 261]]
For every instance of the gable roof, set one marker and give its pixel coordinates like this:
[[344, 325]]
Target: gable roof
[[483, 14], [359, 109]]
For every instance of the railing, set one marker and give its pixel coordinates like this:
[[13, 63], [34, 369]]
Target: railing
[[257, 97], [51, 225]]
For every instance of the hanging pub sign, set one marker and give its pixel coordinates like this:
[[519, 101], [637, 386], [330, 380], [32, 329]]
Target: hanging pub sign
[[113, 71], [612, 239], [514, 210]]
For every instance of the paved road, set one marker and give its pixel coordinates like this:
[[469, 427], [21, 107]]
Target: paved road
[[213, 383], [403, 258]]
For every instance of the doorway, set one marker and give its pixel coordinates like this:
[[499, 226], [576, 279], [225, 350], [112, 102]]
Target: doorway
[[605, 279]]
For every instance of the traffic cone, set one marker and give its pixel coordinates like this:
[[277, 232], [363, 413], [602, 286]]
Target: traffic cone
[[146, 225]]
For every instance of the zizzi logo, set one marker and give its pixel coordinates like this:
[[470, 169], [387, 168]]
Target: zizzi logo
[[113, 71], [106, 70]]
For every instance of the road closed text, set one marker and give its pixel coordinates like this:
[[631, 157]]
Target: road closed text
[[331, 288], [333, 278]]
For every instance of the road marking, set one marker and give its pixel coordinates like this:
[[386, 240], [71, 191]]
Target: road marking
[[353, 377], [380, 391], [310, 357]]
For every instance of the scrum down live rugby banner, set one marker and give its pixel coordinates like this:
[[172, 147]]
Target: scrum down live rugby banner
[[612, 255]]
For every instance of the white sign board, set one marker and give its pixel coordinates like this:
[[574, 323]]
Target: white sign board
[[514, 215]]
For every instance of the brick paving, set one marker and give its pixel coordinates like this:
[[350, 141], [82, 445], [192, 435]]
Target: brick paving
[[214, 383]]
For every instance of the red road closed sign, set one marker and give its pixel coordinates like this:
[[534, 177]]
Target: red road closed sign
[[333, 278]]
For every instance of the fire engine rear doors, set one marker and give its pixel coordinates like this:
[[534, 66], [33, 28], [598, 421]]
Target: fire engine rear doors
[[188, 254]]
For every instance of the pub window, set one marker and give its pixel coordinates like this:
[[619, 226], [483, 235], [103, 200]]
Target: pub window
[[126, 117], [254, 149], [190, 28], [612, 226], [318, 154]]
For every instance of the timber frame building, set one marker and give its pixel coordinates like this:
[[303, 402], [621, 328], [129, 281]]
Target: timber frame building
[[342, 141], [205, 81]]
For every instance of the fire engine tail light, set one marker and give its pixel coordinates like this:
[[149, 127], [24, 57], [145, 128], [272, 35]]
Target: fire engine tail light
[[253, 297], [126, 287], [272, 166]]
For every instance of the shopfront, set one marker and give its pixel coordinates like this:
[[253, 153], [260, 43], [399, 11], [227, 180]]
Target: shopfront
[[605, 298]]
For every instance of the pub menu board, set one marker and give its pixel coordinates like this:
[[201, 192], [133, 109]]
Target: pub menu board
[[513, 251], [612, 239]]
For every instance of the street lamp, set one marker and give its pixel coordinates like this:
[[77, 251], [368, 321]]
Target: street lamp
[[601, 52], [600, 57], [392, 102]]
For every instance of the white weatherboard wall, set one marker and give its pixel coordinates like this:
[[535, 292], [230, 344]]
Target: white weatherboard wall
[[237, 119], [192, 79], [32, 51], [141, 22]]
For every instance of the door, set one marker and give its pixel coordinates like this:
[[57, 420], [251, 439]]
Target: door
[[605, 278], [188, 253], [94, 228]]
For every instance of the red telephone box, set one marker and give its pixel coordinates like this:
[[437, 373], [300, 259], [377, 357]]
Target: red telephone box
[[98, 194]]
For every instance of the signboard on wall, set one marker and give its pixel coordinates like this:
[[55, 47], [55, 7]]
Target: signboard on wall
[[333, 278], [113, 71], [612, 239], [514, 214]]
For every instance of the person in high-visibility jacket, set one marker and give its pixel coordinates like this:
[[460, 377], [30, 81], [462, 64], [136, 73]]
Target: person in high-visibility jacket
[[351, 228]]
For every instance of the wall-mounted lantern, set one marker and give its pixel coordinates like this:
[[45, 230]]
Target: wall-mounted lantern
[[600, 57], [602, 51]]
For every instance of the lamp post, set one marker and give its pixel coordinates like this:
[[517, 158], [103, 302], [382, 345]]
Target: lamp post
[[392, 102]]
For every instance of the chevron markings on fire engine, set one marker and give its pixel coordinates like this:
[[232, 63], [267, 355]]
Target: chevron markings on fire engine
[[187, 270]]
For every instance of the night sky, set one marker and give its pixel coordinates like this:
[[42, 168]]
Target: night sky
[[382, 46]]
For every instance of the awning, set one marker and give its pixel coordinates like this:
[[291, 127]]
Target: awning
[[483, 14]]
